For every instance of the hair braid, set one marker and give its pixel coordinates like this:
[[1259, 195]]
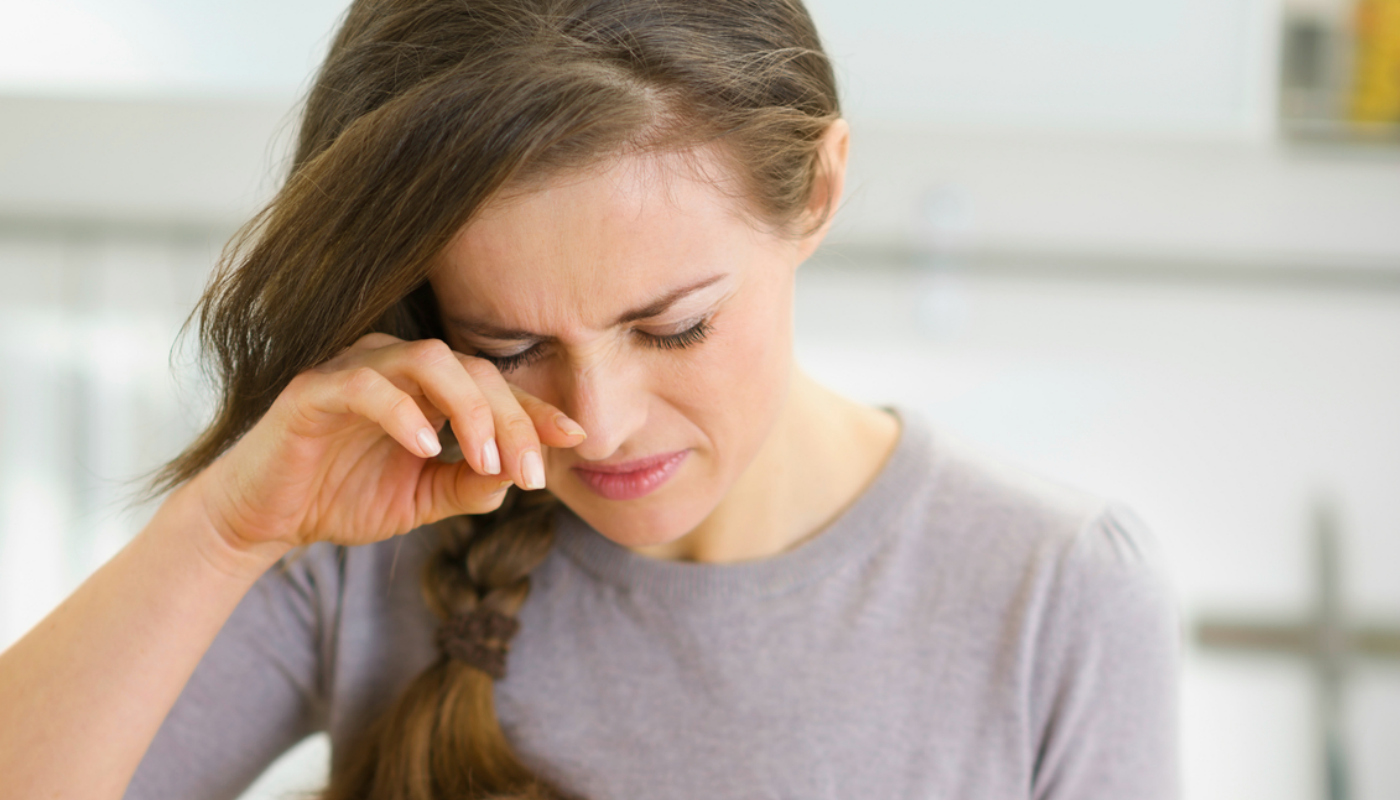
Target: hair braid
[[481, 562]]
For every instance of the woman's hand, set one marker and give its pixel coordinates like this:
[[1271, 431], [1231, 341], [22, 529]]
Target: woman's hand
[[346, 452]]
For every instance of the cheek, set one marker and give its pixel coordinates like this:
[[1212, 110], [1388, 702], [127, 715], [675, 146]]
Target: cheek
[[735, 381]]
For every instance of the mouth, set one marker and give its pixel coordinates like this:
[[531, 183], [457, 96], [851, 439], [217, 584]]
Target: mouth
[[632, 479]]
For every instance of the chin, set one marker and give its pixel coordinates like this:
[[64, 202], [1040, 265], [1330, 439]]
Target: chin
[[645, 522]]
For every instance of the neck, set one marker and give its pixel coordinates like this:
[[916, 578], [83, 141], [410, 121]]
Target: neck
[[822, 453]]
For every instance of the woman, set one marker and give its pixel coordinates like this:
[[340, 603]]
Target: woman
[[519, 323]]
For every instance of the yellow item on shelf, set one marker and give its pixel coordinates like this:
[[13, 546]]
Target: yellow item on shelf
[[1376, 91]]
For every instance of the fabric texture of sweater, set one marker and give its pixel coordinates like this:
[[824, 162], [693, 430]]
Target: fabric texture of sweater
[[962, 630]]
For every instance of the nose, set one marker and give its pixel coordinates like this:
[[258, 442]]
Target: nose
[[608, 402]]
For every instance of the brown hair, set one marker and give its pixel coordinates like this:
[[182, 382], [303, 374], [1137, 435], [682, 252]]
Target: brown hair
[[422, 112]]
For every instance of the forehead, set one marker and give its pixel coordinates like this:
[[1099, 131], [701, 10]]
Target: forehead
[[599, 238]]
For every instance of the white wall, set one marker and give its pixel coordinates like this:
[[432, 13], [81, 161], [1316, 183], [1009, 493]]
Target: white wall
[[1079, 128], [1232, 204], [1249, 204], [1178, 67], [143, 47]]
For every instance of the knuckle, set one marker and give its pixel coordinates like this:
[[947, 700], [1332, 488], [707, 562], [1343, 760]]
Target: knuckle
[[297, 400], [490, 502], [429, 351], [478, 414], [397, 407], [518, 426], [480, 369], [377, 339], [362, 345], [374, 340], [361, 380]]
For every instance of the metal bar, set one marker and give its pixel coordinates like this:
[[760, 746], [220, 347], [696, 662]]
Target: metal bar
[[1364, 641], [1332, 650], [1376, 642], [1238, 635]]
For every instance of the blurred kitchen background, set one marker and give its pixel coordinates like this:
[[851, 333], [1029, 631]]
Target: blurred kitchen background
[[1151, 248]]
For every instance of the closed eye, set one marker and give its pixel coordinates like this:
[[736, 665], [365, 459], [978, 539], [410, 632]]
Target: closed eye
[[513, 361], [675, 341], [689, 337]]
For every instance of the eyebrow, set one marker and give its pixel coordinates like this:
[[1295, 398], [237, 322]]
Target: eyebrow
[[652, 309]]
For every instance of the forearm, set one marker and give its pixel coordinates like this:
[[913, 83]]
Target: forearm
[[83, 694]]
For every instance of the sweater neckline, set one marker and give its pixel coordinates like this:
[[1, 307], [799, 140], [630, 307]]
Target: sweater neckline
[[846, 539]]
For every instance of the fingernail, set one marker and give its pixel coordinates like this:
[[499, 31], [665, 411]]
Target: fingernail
[[502, 486], [568, 426], [428, 441], [532, 469], [491, 458]]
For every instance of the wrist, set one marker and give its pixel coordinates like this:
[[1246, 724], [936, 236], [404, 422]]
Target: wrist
[[188, 514]]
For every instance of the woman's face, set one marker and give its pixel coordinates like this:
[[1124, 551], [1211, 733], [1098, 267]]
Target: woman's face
[[639, 298]]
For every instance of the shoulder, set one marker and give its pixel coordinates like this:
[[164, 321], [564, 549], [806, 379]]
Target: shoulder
[[999, 530], [1069, 590], [970, 490]]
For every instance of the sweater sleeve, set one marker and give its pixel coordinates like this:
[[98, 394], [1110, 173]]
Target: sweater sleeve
[[1104, 691], [258, 690]]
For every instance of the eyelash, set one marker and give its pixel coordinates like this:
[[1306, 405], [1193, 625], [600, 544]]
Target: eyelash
[[676, 341]]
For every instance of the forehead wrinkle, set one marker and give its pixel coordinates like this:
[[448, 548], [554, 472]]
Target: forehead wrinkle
[[610, 243]]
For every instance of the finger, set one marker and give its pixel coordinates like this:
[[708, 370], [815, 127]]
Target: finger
[[373, 341], [431, 369], [555, 428], [454, 489], [365, 392], [521, 457], [365, 344]]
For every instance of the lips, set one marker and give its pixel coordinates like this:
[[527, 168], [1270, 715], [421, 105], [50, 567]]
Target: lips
[[632, 479]]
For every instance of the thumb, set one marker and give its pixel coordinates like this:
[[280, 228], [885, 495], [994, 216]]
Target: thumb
[[452, 489]]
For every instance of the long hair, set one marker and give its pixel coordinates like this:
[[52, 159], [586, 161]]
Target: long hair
[[423, 111]]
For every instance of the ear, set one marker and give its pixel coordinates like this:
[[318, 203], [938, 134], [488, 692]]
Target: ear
[[832, 154]]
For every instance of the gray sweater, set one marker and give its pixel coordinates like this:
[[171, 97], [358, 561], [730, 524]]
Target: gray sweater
[[963, 630]]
